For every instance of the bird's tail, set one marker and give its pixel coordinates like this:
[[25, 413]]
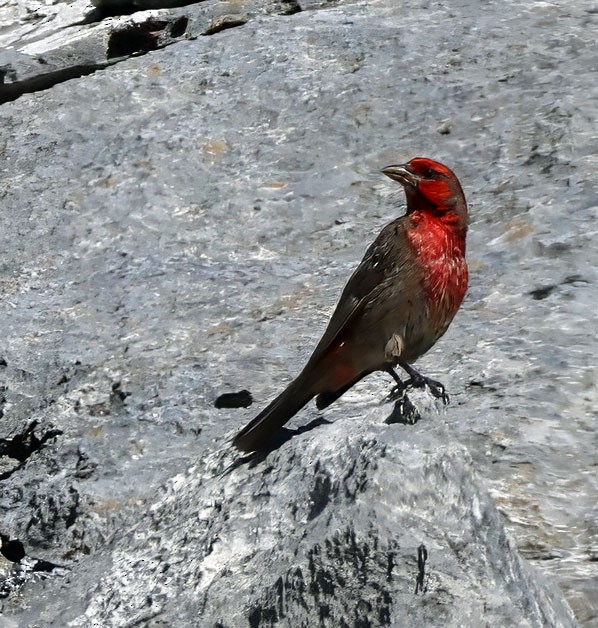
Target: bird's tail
[[256, 434], [323, 400]]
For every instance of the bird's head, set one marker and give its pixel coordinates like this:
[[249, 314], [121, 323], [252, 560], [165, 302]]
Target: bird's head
[[430, 187]]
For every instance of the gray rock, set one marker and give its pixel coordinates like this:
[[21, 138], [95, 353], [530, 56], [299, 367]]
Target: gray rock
[[75, 41], [325, 531], [130, 6], [179, 225], [28, 21]]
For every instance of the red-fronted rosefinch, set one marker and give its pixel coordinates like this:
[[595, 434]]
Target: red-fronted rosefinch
[[396, 305]]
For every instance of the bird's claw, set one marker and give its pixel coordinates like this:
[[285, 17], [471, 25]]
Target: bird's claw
[[437, 389]]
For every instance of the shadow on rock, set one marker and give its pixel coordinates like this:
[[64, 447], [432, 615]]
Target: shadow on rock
[[278, 439]]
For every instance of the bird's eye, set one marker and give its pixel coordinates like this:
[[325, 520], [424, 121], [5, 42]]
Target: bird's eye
[[429, 173]]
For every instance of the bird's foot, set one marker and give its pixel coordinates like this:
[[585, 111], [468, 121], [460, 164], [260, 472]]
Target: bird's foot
[[417, 380]]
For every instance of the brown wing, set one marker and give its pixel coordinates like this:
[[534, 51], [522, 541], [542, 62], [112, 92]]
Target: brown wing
[[386, 258]]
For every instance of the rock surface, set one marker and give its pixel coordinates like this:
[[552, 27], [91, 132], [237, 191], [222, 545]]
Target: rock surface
[[323, 533], [77, 39], [179, 225]]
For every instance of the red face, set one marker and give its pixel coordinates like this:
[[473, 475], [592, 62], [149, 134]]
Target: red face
[[434, 181], [430, 187]]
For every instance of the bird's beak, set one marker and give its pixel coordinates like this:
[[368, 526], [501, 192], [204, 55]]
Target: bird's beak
[[403, 174]]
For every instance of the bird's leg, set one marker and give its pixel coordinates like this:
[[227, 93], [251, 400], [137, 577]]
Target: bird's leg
[[398, 392], [417, 380]]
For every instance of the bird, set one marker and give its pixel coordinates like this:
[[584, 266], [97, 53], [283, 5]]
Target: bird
[[397, 303]]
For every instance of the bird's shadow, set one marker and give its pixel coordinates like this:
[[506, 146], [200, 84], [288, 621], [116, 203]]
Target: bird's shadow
[[403, 412], [278, 439]]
